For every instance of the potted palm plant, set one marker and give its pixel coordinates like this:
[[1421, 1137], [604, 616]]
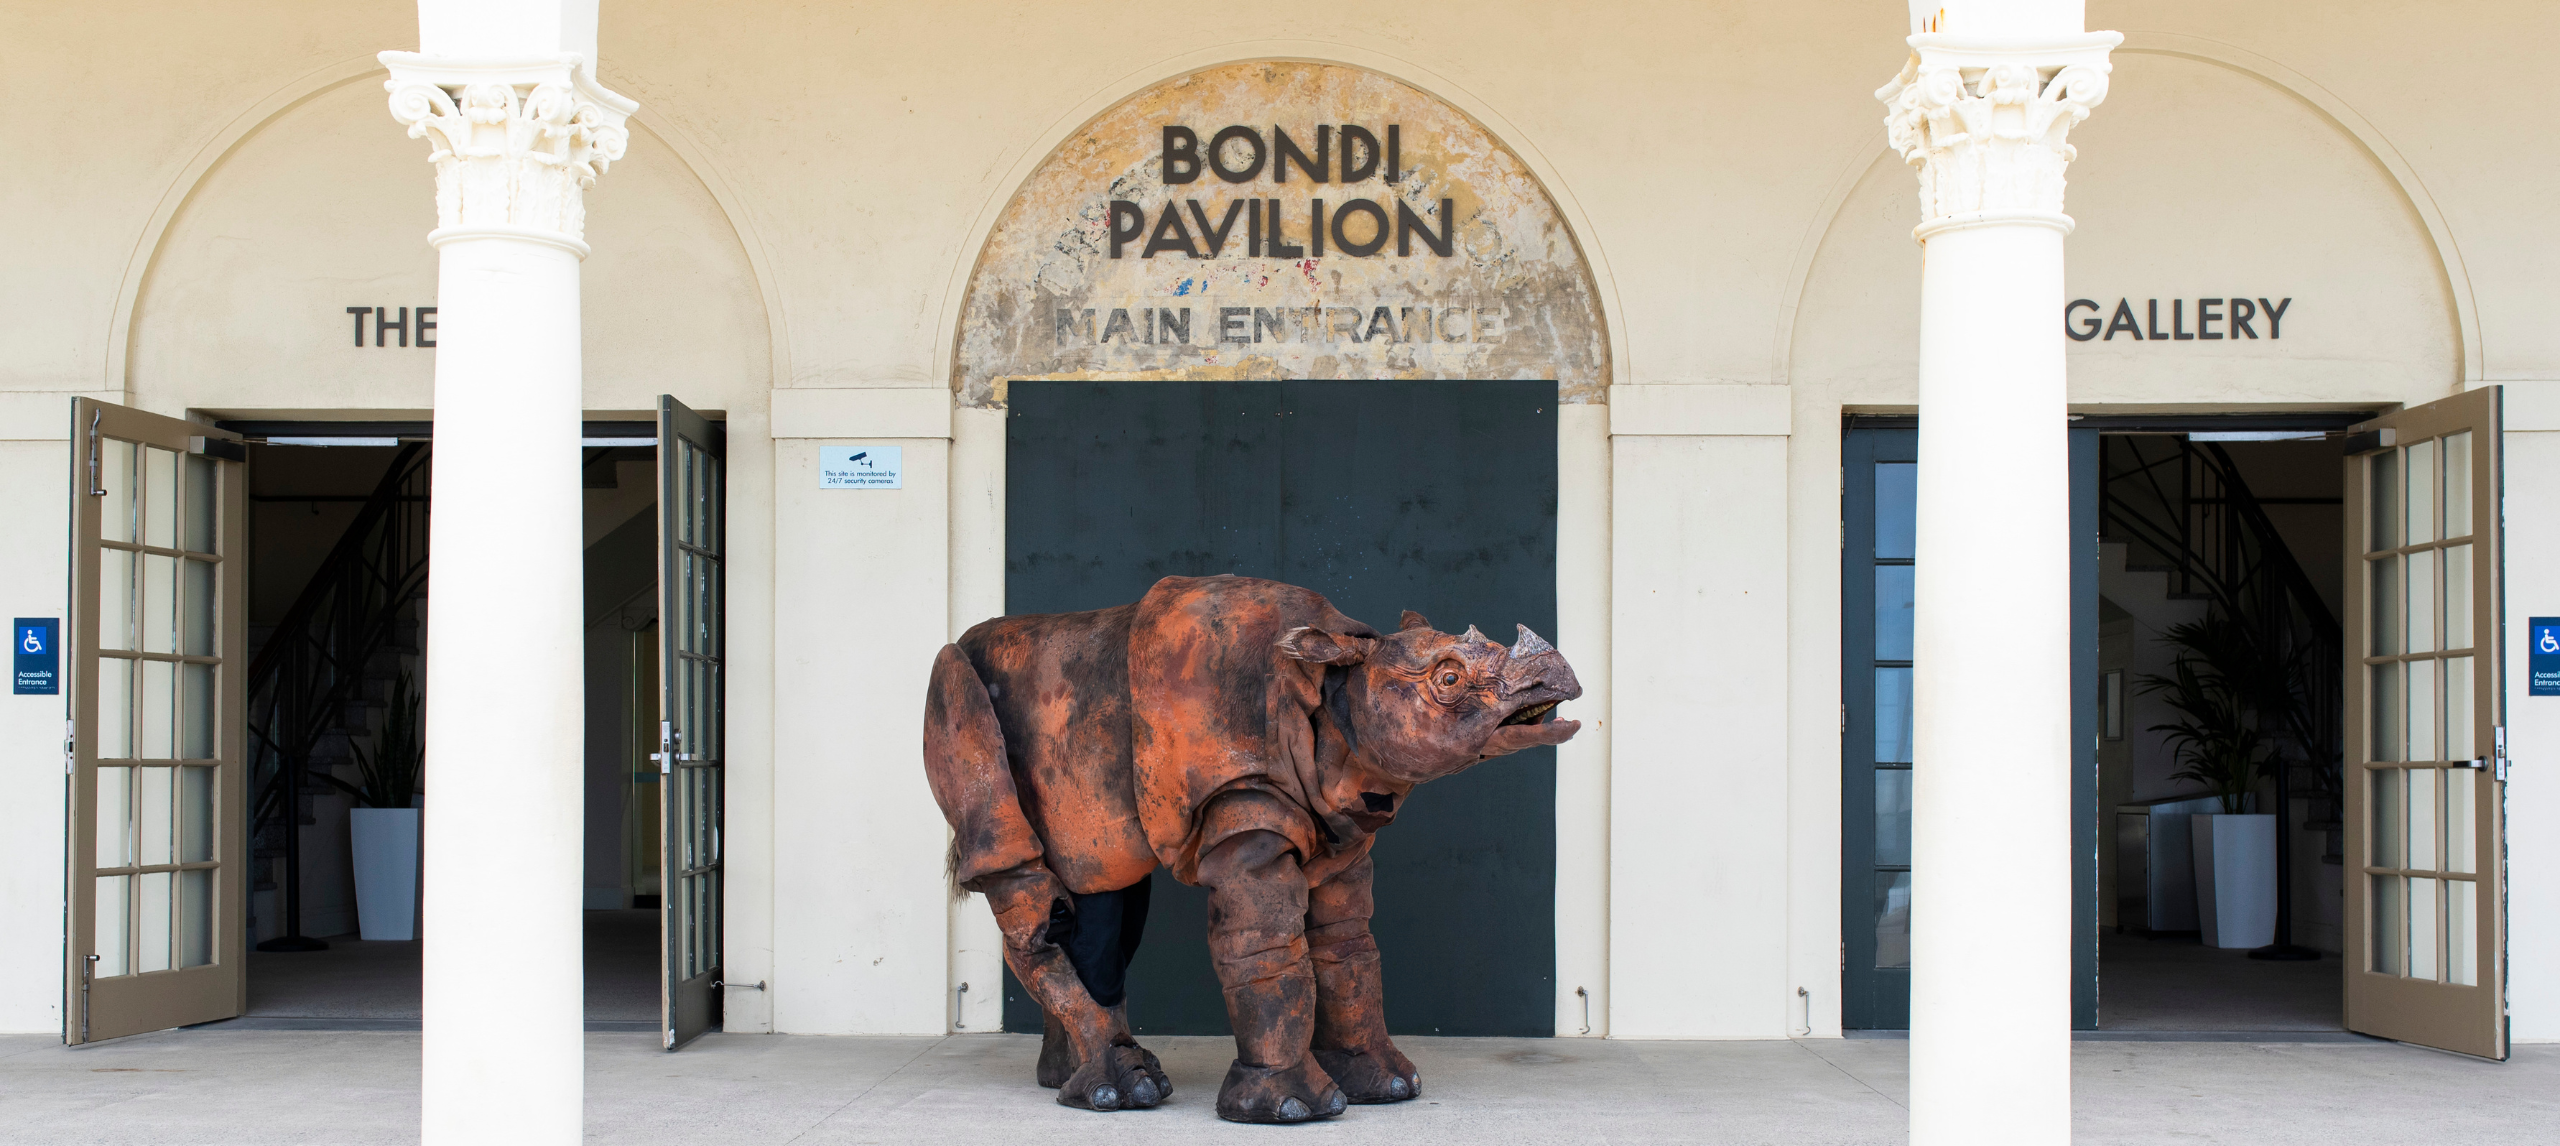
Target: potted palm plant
[[383, 826], [2221, 749]]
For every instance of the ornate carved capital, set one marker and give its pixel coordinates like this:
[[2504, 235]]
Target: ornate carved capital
[[1987, 123], [515, 143]]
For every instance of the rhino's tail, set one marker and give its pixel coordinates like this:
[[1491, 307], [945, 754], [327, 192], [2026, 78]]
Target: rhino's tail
[[964, 763]]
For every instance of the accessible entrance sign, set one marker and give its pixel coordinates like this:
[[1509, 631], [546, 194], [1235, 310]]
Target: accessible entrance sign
[[39, 661], [2542, 662]]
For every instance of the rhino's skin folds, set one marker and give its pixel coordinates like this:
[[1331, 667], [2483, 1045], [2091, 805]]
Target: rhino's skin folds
[[1247, 736]]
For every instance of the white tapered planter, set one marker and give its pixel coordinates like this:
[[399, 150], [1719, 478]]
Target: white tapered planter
[[2236, 879], [384, 842]]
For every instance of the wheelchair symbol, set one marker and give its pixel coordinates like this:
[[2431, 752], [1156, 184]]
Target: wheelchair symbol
[[33, 642], [2548, 642]]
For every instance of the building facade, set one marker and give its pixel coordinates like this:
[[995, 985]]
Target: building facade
[[869, 228]]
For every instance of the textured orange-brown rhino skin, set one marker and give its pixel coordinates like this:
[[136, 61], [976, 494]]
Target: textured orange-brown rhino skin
[[1251, 738]]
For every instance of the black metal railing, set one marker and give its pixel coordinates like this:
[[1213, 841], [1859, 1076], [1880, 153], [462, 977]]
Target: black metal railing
[[309, 681], [2183, 508]]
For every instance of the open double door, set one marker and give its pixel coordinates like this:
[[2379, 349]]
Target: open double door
[[156, 748], [2426, 736]]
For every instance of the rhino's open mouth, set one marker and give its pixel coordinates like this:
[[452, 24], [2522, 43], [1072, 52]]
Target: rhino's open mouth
[[1534, 714]]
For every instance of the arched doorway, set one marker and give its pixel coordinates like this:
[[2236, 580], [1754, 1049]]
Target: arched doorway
[[1308, 322]]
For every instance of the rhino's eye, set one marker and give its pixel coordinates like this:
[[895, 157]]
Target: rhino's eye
[[1448, 678]]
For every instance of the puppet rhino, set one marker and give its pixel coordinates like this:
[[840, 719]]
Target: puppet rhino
[[1247, 736]]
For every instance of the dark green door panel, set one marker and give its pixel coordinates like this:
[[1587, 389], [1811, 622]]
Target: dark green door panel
[[1383, 495]]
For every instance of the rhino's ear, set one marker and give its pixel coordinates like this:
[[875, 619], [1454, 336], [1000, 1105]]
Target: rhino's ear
[[1316, 646], [1413, 620]]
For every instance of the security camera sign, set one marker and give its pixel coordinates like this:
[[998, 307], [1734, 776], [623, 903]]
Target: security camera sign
[[860, 467]]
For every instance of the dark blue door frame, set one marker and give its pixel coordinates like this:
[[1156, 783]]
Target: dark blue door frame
[[1877, 884]]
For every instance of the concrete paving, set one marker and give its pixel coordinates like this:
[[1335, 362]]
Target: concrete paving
[[254, 1088]]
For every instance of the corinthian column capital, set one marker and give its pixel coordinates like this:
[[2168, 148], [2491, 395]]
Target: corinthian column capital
[[515, 143], [1987, 122]]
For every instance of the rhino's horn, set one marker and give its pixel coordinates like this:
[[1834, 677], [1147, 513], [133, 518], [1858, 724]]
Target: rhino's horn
[[1530, 645], [1474, 636]]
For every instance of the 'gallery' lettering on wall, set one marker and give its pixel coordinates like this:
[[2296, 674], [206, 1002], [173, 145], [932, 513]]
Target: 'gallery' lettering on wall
[[1358, 227], [2239, 320]]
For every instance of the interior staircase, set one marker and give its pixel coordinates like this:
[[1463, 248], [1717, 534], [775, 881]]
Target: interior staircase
[[322, 676], [2181, 509]]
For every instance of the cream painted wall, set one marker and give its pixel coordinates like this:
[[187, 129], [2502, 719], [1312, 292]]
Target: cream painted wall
[[31, 781], [809, 210], [862, 938], [1699, 781], [2533, 722]]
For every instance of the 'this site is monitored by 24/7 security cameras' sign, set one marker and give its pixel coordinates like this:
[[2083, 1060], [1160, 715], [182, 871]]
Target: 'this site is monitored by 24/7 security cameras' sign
[[861, 467]]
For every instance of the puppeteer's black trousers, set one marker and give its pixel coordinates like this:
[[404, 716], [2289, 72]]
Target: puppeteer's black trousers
[[1103, 936]]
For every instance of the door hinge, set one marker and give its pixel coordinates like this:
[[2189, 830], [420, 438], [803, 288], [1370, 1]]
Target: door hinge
[[1844, 719], [95, 490], [88, 974]]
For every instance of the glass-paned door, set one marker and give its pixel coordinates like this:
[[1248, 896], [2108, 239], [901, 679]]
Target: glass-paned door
[[157, 847], [2426, 920], [692, 529], [1880, 480]]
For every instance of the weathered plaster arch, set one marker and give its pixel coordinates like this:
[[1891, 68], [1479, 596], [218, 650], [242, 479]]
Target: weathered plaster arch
[[1867, 149], [227, 139], [1517, 270]]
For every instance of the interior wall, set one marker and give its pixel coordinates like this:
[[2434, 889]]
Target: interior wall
[[622, 580]]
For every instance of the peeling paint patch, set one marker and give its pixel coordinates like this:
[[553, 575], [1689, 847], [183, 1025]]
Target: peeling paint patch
[[1101, 268]]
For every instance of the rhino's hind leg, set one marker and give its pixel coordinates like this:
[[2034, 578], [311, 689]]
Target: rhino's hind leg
[[1111, 1072], [1257, 940], [997, 854], [1351, 1040], [1100, 937]]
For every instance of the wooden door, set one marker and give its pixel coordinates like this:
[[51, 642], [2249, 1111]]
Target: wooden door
[[2426, 778], [158, 819]]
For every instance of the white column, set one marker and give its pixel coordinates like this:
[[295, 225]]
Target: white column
[[1982, 111], [518, 129]]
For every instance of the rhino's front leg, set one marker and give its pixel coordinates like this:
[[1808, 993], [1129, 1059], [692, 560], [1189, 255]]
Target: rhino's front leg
[[1351, 1040], [1257, 940]]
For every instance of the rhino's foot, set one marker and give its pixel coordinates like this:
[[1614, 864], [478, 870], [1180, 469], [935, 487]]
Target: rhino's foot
[[1057, 1054], [1122, 1078], [1368, 1078], [1298, 1093]]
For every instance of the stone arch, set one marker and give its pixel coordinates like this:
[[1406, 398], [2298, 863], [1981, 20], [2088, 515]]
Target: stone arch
[[1061, 289], [314, 199], [2422, 243]]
